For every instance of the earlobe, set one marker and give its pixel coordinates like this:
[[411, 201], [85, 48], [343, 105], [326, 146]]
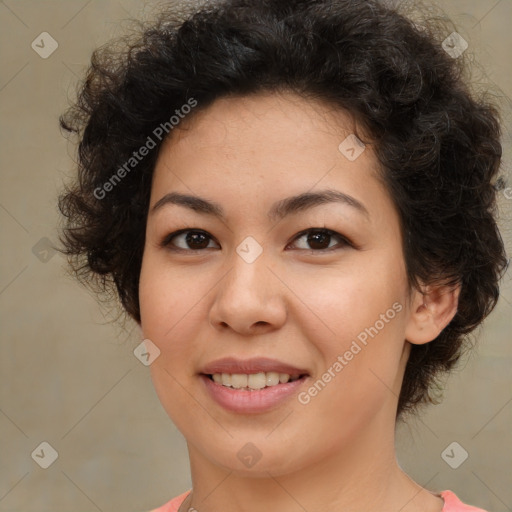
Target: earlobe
[[431, 310]]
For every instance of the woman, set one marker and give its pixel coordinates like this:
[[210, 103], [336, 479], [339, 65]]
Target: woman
[[295, 201]]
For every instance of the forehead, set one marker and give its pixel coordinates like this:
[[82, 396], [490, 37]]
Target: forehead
[[262, 123], [282, 130], [244, 150]]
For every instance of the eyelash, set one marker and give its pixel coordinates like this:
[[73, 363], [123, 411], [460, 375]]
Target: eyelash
[[166, 242]]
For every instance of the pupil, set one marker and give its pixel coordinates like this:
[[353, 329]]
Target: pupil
[[197, 238], [317, 240]]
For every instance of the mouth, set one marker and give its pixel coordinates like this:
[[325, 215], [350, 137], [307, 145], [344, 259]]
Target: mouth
[[253, 381], [254, 393], [255, 385]]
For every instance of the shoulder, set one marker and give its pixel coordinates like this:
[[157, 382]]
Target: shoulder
[[173, 505], [453, 504]]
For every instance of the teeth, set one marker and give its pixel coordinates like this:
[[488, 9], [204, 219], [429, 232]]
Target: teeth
[[272, 378], [252, 381], [284, 378], [238, 380], [257, 380]]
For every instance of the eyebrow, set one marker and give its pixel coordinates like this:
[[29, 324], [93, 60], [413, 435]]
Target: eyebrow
[[279, 210]]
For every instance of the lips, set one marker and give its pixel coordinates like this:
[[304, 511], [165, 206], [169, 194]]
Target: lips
[[232, 366], [259, 401], [244, 400]]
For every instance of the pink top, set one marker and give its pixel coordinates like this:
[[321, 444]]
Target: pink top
[[451, 504]]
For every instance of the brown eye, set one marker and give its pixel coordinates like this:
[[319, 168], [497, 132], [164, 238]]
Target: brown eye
[[320, 239], [188, 239], [316, 240]]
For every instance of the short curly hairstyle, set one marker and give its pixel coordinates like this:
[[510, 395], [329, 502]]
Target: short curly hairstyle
[[437, 141]]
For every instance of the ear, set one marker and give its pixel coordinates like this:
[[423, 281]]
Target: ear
[[432, 309]]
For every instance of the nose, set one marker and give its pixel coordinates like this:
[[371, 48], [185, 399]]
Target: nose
[[249, 299]]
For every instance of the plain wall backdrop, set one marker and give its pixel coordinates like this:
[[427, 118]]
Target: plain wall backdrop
[[68, 374]]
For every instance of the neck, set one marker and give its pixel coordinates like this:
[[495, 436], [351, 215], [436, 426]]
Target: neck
[[364, 475]]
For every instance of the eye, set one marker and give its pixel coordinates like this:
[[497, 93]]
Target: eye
[[195, 239], [319, 239]]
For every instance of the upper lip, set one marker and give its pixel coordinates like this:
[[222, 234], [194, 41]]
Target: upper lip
[[255, 365]]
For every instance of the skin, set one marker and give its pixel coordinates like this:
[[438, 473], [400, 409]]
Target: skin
[[292, 304]]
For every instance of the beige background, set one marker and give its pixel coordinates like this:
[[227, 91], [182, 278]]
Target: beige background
[[69, 377]]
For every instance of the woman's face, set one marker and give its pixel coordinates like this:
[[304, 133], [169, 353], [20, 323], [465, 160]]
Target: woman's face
[[251, 284]]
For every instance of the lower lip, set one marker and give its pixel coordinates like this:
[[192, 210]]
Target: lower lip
[[243, 401]]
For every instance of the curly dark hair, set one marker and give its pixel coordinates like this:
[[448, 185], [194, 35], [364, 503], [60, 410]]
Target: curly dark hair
[[437, 141]]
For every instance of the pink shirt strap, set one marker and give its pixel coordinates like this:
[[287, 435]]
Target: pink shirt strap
[[451, 504], [174, 504]]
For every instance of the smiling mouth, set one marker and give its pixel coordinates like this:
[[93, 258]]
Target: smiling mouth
[[253, 381]]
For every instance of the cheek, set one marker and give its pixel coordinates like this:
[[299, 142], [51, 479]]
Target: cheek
[[171, 317], [333, 308], [358, 333], [166, 295], [340, 304]]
